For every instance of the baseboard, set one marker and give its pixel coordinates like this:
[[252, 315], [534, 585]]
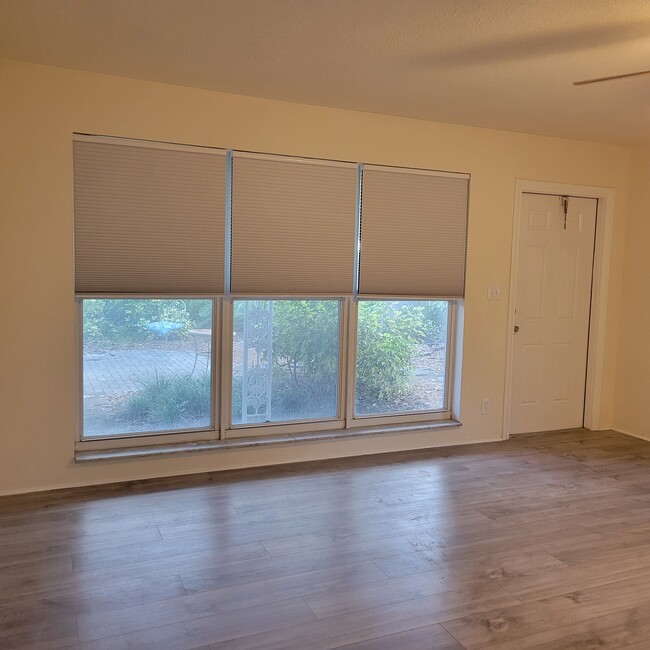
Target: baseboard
[[298, 451], [632, 435]]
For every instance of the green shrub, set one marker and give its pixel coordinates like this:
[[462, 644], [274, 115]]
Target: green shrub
[[434, 314], [306, 340], [387, 342], [306, 354], [126, 320], [166, 400], [199, 313], [309, 396]]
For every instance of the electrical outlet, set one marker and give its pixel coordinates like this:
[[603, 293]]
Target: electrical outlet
[[486, 407]]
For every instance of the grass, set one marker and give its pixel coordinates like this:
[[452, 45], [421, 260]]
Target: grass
[[167, 400]]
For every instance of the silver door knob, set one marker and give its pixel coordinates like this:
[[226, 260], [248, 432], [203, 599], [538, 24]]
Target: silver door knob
[[516, 328]]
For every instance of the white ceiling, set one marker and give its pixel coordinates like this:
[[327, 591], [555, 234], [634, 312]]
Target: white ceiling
[[505, 64]]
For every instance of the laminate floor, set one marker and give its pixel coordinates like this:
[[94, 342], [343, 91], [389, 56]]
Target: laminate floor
[[539, 542]]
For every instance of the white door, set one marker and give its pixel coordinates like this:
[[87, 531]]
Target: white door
[[552, 306]]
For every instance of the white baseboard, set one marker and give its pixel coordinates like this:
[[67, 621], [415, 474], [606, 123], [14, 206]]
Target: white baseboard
[[633, 435]]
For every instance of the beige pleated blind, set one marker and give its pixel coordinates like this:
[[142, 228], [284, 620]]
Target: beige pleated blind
[[293, 226], [148, 219], [413, 233]]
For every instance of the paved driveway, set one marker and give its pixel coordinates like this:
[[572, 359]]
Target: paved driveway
[[117, 372]]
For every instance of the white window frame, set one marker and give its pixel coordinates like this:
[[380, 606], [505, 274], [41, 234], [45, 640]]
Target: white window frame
[[221, 368], [403, 417], [286, 427], [145, 438]]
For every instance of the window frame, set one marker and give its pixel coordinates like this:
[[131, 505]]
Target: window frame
[[154, 437], [403, 417], [221, 370], [284, 427]]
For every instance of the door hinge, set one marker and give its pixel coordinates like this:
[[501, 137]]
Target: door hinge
[[565, 206]]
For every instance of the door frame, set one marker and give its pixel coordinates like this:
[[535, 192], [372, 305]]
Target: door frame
[[599, 290]]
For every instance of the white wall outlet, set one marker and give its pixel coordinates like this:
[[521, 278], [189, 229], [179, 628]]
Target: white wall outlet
[[486, 407], [494, 292]]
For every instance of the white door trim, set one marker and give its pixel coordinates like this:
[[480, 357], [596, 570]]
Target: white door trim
[[598, 314]]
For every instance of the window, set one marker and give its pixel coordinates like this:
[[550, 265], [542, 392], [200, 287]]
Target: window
[[146, 366], [226, 294], [285, 360], [401, 356]]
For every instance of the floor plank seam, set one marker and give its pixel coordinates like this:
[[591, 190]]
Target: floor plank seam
[[180, 581], [76, 621], [458, 641], [375, 563], [309, 607]]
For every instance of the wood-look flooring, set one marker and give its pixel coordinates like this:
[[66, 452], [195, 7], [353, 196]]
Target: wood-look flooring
[[539, 542]]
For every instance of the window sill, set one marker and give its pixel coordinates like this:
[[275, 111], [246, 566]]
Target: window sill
[[260, 441]]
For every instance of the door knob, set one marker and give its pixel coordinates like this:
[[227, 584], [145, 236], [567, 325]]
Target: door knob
[[516, 328]]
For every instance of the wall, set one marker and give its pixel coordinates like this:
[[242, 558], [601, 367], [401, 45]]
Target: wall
[[40, 109], [632, 403]]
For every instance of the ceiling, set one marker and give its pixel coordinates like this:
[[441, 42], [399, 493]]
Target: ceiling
[[505, 64]]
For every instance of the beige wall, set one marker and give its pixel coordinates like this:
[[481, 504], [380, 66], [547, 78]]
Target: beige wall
[[632, 404], [40, 109]]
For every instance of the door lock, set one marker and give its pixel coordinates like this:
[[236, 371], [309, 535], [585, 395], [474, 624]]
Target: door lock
[[516, 328]]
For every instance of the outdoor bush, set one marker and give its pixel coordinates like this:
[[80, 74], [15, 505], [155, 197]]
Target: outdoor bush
[[305, 349], [306, 340], [305, 344], [305, 352], [308, 397], [387, 341], [167, 400], [125, 321], [434, 314], [199, 313]]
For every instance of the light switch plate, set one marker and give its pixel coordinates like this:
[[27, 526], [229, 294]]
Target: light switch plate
[[494, 292]]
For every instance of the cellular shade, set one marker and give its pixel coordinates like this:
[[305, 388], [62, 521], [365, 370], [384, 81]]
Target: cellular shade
[[148, 219], [413, 233], [293, 226]]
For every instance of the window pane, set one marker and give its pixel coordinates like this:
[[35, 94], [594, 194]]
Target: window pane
[[401, 356], [285, 360], [146, 365]]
